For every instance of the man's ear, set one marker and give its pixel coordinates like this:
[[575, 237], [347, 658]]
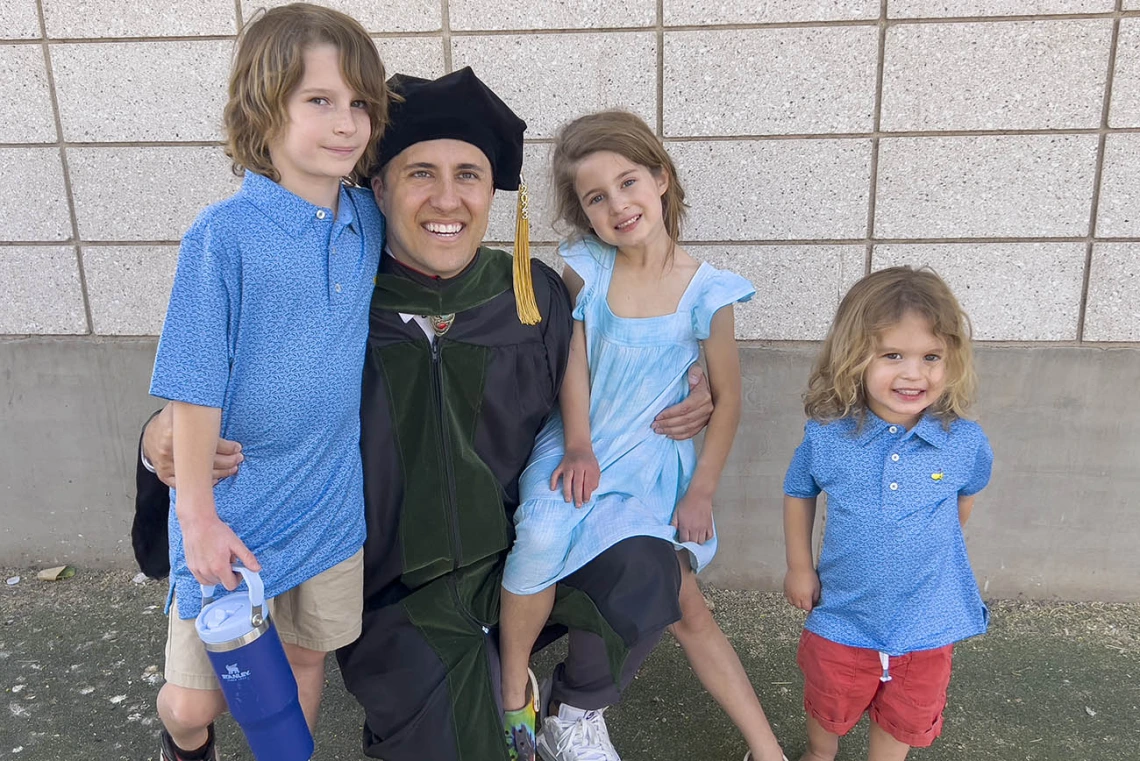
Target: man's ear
[[378, 188]]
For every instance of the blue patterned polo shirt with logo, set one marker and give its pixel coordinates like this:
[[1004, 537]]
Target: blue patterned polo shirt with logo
[[268, 320], [893, 571]]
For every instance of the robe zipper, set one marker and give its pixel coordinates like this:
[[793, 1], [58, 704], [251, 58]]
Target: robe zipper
[[445, 445]]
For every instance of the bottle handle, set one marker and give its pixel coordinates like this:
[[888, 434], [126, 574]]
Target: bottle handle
[[256, 593]]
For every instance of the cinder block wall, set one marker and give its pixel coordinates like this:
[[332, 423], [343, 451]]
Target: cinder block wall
[[997, 140]]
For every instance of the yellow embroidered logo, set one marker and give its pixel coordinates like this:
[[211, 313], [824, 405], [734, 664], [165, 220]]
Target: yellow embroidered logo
[[936, 476]]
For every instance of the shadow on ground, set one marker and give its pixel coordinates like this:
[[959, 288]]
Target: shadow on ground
[[80, 664]]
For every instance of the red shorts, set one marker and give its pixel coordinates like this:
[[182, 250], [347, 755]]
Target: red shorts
[[842, 682]]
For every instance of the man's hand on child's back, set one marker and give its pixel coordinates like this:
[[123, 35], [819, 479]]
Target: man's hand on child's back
[[687, 419], [158, 448], [211, 548]]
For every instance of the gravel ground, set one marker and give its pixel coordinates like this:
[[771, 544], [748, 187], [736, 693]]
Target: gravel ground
[[80, 665]]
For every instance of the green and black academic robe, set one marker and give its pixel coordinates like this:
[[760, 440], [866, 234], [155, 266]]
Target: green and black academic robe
[[447, 428]]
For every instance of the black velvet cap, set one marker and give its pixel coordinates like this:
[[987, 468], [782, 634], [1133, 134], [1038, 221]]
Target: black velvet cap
[[457, 106]]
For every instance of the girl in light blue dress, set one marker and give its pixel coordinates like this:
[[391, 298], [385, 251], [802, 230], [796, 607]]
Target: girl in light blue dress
[[599, 473]]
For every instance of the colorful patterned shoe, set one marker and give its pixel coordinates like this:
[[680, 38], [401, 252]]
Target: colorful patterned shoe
[[519, 726]]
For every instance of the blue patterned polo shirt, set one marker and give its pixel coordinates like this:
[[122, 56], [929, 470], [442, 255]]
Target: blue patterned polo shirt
[[268, 320], [893, 571]]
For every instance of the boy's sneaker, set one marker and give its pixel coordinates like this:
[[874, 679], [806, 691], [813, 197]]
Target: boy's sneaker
[[576, 735], [168, 751], [519, 726]]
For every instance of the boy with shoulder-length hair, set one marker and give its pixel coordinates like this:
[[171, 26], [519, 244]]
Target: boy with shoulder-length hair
[[263, 343]]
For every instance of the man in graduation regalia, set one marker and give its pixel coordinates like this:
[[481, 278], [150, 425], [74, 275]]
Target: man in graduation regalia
[[466, 352]]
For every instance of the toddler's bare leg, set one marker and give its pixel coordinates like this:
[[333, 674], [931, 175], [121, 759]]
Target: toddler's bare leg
[[186, 713], [884, 747], [718, 667], [822, 745], [521, 618], [309, 670]]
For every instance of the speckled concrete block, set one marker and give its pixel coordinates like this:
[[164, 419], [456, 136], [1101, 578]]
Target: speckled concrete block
[[70, 19], [693, 12], [775, 189], [1118, 214], [995, 75], [991, 186], [1012, 291], [404, 16], [1125, 108], [1132, 5], [129, 287], [177, 92], [32, 195], [417, 56], [963, 8], [797, 287], [1113, 311], [19, 20], [536, 171], [151, 194], [770, 81], [25, 109], [550, 79], [41, 291], [543, 14]]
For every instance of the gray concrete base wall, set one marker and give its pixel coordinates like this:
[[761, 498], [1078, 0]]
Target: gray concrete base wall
[[1059, 518]]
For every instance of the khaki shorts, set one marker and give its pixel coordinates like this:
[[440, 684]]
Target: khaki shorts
[[321, 614]]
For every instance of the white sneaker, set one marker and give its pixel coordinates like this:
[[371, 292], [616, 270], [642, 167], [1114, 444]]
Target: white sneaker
[[576, 735]]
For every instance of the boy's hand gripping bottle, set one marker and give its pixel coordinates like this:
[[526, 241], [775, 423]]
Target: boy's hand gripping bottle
[[253, 671]]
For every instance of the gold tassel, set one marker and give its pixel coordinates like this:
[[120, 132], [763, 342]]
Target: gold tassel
[[525, 302]]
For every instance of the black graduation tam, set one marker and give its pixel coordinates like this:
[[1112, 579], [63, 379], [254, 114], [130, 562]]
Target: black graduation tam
[[457, 106]]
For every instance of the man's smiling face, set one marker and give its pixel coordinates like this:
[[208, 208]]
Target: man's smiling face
[[436, 196]]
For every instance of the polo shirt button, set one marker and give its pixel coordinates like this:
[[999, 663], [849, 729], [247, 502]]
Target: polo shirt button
[[338, 287], [320, 213], [894, 487], [894, 458], [893, 429]]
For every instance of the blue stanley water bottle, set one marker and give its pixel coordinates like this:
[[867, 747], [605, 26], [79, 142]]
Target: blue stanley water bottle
[[255, 676]]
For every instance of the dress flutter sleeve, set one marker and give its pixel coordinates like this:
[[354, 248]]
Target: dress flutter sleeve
[[720, 289], [590, 258]]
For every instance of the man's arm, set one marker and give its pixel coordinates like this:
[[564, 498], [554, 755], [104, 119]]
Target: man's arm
[[687, 419], [158, 450]]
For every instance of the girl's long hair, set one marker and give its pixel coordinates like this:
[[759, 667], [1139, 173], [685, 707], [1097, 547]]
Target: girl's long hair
[[874, 304], [628, 136]]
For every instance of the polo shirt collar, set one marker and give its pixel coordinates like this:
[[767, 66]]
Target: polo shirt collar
[[931, 430], [928, 428], [291, 212]]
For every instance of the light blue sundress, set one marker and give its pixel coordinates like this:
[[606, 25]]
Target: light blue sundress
[[638, 367]]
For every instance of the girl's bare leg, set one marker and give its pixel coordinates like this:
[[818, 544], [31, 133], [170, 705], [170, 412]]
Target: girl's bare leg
[[521, 618], [719, 669]]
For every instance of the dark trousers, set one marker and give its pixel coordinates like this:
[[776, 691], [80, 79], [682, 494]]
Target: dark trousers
[[417, 707]]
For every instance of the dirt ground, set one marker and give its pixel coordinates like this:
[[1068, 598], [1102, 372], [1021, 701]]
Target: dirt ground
[[80, 665]]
